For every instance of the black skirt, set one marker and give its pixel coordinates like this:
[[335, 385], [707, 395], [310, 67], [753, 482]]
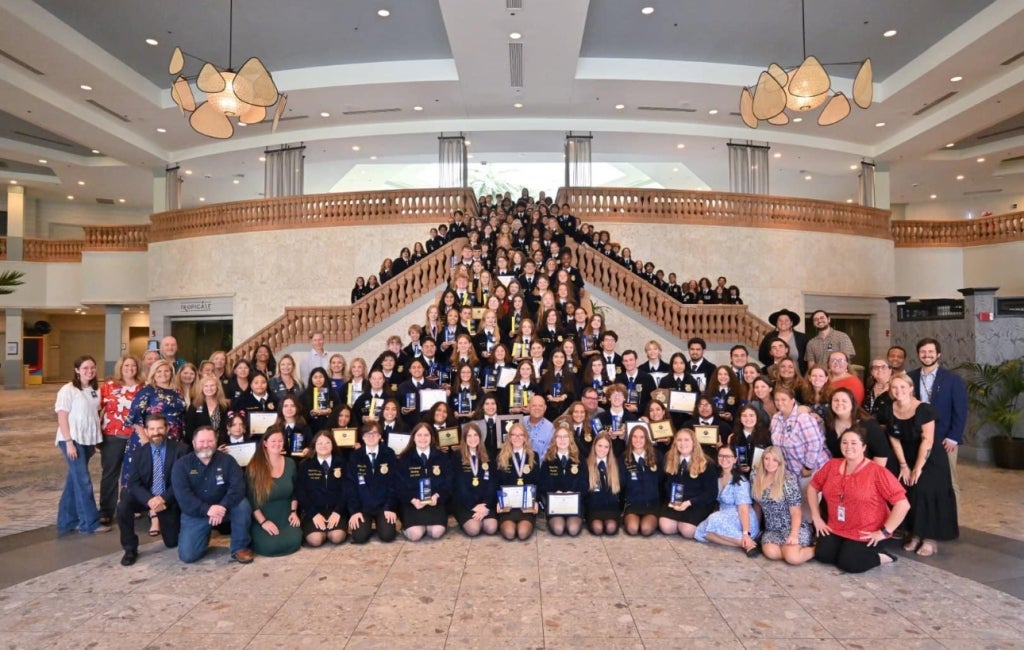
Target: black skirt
[[426, 516], [642, 510], [516, 516], [692, 515], [604, 515], [464, 514]]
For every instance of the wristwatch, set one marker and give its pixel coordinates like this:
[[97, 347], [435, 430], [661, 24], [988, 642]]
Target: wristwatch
[[885, 532]]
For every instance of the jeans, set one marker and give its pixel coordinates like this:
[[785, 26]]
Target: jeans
[[111, 459], [194, 537], [77, 507]]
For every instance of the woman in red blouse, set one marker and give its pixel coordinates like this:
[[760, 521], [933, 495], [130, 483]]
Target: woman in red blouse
[[865, 504], [116, 395]]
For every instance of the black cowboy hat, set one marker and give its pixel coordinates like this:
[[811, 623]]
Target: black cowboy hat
[[773, 319]]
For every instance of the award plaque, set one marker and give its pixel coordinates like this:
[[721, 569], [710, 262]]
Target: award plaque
[[662, 430], [410, 401], [398, 441], [681, 401], [596, 425], [564, 505], [260, 421], [519, 351], [706, 434], [425, 492], [344, 438], [505, 423], [242, 453], [321, 398], [478, 312], [448, 437], [633, 396], [463, 403], [675, 496], [490, 379]]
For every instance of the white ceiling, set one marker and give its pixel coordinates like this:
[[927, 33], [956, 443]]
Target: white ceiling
[[581, 59]]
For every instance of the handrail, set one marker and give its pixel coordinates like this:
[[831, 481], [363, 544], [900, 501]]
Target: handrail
[[997, 229], [52, 250], [637, 205], [116, 238], [313, 211], [714, 323], [346, 323]]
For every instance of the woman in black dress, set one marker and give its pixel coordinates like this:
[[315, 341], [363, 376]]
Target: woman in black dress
[[473, 493], [424, 485]]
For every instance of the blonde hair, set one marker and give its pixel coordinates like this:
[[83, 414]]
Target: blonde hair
[[762, 482], [118, 375], [505, 454], [162, 363], [197, 391], [611, 467], [187, 392], [698, 460]]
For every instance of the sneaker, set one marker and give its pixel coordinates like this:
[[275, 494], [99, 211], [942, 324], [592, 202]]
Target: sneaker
[[129, 557], [244, 556], [103, 529]]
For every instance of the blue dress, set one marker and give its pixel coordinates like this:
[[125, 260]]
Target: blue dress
[[726, 521]]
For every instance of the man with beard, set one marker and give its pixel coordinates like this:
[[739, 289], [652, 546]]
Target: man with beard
[[827, 341]]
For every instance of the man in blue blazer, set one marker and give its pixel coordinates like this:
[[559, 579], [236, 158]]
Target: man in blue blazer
[[150, 491], [947, 393]]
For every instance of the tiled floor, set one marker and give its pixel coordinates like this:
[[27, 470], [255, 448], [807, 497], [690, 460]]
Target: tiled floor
[[485, 593]]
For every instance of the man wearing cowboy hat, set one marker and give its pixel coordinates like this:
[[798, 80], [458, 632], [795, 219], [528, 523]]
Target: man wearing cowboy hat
[[784, 321]]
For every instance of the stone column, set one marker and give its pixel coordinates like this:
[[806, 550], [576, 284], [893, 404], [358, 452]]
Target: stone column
[[112, 338], [14, 363]]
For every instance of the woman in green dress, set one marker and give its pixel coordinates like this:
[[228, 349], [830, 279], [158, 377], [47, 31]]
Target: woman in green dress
[[271, 480]]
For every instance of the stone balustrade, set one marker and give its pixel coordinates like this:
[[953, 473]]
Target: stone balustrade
[[116, 238], [52, 250], [997, 229]]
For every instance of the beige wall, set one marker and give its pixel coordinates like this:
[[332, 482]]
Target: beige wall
[[929, 272], [53, 285], [123, 278], [996, 266], [958, 210]]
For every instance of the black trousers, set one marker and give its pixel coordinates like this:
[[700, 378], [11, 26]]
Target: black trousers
[[849, 555], [170, 522], [111, 460], [387, 532]]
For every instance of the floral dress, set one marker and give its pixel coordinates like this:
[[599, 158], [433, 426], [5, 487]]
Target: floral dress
[[777, 521], [148, 401]]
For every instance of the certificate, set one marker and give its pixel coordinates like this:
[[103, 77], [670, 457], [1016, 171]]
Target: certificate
[[431, 396], [398, 441], [681, 402], [506, 376], [505, 279], [448, 437], [521, 497], [643, 426], [242, 453], [662, 430], [260, 421], [706, 434], [564, 505], [344, 438]]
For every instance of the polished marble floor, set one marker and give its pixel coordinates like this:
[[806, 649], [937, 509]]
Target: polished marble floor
[[71, 592]]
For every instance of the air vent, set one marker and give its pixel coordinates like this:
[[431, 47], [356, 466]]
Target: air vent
[[13, 59], [108, 110], [513, 5], [667, 109], [1012, 58], [105, 201], [933, 104], [997, 134], [371, 111], [976, 192], [59, 143], [515, 64]]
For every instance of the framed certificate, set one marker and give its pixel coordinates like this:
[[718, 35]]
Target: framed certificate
[[260, 421], [643, 426], [662, 430], [431, 396], [706, 434], [344, 438], [448, 437], [681, 402], [398, 441], [242, 453], [564, 505], [521, 497]]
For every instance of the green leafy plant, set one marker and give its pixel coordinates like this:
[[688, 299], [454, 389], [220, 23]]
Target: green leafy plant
[[9, 280], [994, 391]]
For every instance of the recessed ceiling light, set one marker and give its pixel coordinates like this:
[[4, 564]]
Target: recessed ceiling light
[[713, 111], [647, 11], [950, 145], [42, 161], [325, 114], [85, 87], [956, 78], [515, 36], [854, 166], [849, 200], [619, 107], [777, 155], [81, 182], [262, 159], [417, 108], [188, 172], [161, 129], [355, 147], [959, 177], [879, 124], [981, 160], [96, 151], [798, 119], [236, 181], [934, 196], [890, 33], [680, 146], [152, 41], [517, 105], [469, 156], [202, 198], [71, 197], [675, 169], [469, 142], [373, 157], [14, 182], [383, 13], [121, 200], [808, 177]]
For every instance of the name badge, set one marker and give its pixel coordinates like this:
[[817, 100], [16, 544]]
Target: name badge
[[841, 513], [362, 480], [220, 479], [634, 476]]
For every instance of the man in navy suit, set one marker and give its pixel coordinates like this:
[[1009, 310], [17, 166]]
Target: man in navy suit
[[947, 393], [149, 489]]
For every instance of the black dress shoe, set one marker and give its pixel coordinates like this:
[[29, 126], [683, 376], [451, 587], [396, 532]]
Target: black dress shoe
[[129, 558]]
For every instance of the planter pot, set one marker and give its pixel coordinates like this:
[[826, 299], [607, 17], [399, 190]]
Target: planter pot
[[1008, 453]]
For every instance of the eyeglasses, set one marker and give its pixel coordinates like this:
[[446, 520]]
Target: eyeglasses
[[879, 367], [726, 457], [837, 362]]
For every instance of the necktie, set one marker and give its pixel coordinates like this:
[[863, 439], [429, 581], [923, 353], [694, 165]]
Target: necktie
[[603, 469], [519, 457], [492, 432], [579, 432], [683, 466], [387, 430], [158, 473], [373, 459], [640, 463], [423, 460], [326, 467]]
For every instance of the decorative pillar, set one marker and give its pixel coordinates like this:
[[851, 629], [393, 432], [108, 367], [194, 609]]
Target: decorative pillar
[[14, 363], [577, 160], [748, 168], [167, 189], [15, 222], [111, 338], [284, 171], [452, 161]]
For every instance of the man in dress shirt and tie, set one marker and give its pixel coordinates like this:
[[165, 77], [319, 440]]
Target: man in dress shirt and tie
[[612, 360], [489, 426], [698, 367], [639, 385], [149, 489]]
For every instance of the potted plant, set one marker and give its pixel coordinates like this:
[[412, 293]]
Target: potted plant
[[994, 392]]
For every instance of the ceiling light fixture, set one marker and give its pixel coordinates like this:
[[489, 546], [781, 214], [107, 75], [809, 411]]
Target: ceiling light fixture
[[469, 142], [680, 146], [777, 155], [121, 200], [81, 183], [14, 182], [188, 172], [803, 89], [647, 11], [890, 33], [161, 129], [373, 157], [96, 151], [879, 125], [71, 197], [950, 145], [713, 111], [152, 41], [517, 105], [325, 114], [245, 95], [85, 87], [515, 36], [383, 13], [202, 198], [797, 120], [808, 177], [619, 107], [981, 160], [355, 147], [417, 108], [262, 159], [934, 196], [42, 161], [852, 167], [959, 177], [956, 78]]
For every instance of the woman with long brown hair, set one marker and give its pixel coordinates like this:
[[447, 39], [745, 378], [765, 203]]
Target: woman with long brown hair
[[270, 477]]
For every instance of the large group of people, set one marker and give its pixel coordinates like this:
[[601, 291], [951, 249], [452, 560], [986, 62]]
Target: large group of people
[[510, 403]]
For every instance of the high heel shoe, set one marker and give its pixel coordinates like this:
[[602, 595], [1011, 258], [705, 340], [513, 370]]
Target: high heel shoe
[[928, 548]]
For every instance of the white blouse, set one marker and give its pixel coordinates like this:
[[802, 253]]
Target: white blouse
[[83, 409]]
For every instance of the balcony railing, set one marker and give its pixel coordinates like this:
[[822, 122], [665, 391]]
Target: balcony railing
[[116, 238], [997, 229]]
